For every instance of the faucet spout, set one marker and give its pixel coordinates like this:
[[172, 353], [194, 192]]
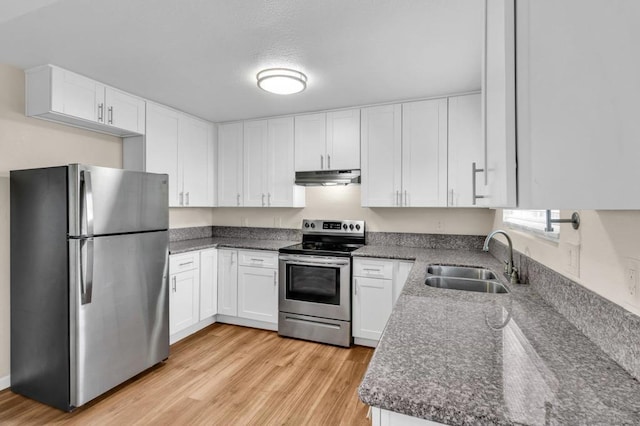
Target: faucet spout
[[510, 269]]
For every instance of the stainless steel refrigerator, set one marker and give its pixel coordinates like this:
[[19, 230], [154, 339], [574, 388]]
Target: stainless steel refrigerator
[[89, 280]]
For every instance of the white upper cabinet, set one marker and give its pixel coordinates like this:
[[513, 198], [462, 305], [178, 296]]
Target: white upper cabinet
[[230, 159], [268, 164], [497, 181], [182, 146], [424, 153], [381, 156], [466, 146], [327, 141], [578, 87], [404, 155], [56, 94]]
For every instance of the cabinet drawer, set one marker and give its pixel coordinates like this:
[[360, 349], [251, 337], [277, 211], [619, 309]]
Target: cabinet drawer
[[265, 259], [184, 262], [374, 268]]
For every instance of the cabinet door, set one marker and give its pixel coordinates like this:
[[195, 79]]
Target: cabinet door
[[124, 111], [381, 156], [77, 96], [208, 283], [255, 163], [372, 304], [161, 147], [400, 278], [183, 301], [466, 146], [230, 164], [424, 153], [258, 294], [499, 105], [194, 149], [310, 142], [228, 282], [280, 166], [343, 140]]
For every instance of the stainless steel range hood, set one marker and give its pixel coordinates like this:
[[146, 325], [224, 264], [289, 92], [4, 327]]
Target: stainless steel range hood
[[327, 177]]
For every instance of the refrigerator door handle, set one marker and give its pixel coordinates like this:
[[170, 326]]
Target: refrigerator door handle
[[86, 279], [87, 196]]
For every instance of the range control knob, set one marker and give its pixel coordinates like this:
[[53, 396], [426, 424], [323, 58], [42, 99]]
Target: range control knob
[[351, 227], [313, 225], [344, 226], [358, 227], [306, 224]]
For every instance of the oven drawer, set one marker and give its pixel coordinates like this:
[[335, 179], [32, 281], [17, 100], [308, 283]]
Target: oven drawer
[[184, 262], [265, 259], [372, 268]]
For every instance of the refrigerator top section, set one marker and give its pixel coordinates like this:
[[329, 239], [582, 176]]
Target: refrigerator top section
[[105, 201]]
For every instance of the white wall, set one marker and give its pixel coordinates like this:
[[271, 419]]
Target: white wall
[[343, 202], [604, 240]]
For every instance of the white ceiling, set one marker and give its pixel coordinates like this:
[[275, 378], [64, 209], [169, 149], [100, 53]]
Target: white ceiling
[[201, 56]]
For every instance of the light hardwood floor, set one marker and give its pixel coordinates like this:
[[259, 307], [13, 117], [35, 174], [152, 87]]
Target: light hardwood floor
[[226, 375]]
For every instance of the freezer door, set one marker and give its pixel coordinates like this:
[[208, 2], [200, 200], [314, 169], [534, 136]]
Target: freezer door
[[119, 320], [106, 201]]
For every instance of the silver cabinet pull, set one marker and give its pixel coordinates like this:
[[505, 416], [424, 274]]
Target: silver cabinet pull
[[185, 263], [101, 112], [475, 170], [321, 162], [371, 269], [174, 284], [262, 200], [182, 198], [275, 279], [406, 199], [254, 259], [451, 197], [110, 111], [269, 199], [238, 199], [187, 198], [328, 162], [355, 286], [397, 198]]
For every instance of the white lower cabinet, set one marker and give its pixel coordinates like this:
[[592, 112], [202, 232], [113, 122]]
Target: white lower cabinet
[[248, 288], [377, 283]]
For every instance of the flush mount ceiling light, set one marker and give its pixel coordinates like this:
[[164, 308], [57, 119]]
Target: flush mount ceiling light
[[282, 81]]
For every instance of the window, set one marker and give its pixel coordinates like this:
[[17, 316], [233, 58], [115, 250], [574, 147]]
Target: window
[[533, 221]]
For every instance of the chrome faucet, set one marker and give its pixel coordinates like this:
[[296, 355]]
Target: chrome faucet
[[510, 271]]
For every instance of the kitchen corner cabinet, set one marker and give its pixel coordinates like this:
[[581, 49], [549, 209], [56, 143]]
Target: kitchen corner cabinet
[[377, 284], [55, 94], [268, 172], [404, 155], [230, 164], [228, 282], [328, 141], [184, 293], [180, 145], [466, 146]]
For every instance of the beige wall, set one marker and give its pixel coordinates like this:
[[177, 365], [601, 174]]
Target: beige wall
[[185, 218], [29, 142], [604, 241], [343, 202]]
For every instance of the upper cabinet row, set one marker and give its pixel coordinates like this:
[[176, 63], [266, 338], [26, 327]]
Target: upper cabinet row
[[56, 94]]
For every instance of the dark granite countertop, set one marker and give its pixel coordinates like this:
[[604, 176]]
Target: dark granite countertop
[[176, 247], [461, 358]]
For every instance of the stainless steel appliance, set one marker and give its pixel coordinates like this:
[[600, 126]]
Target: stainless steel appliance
[[315, 282], [89, 280]]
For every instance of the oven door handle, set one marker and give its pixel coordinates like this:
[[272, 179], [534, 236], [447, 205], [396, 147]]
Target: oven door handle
[[315, 262]]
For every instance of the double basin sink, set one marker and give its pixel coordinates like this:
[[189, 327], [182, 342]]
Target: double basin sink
[[466, 278]]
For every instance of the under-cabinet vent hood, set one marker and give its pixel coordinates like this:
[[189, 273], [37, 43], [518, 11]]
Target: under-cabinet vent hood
[[327, 177]]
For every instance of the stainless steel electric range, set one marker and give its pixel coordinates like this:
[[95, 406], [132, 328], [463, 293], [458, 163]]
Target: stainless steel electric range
[[315, 282]]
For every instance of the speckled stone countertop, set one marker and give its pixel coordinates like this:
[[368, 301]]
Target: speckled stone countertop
[[464, 358], [176, 247]]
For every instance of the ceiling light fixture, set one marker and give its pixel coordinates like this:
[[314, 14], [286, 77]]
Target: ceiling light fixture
[[282, 81]]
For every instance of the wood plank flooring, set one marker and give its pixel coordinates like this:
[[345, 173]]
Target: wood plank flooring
[[226, 375]]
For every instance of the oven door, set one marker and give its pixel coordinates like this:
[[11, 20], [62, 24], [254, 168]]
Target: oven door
[[318, 286]]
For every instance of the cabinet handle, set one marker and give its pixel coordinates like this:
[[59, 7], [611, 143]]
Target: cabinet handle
[[185, 263], [262, 200], [256, 260], [451, 197], [321, 162], [275, 279], [406, 199], [371, 269], [110, 110], [182, 198], [355, 286], [238, 199], [174, 284], [187, 198], [475, 170], [101, 112], [269, 199], [397, 198], [328, 162]]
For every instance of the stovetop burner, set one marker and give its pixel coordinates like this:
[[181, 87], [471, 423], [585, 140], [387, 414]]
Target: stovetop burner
[[329, 238]]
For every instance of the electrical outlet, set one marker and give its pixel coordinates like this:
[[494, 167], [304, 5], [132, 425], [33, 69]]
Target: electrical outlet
[[277, 222], [632, 277], [440, 226], [244, 221], [632, 281], [573, 259]]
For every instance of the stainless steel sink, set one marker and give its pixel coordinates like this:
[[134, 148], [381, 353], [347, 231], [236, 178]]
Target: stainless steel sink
[[455, 283], [461, 272]]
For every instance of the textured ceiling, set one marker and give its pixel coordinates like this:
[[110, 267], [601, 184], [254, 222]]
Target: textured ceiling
[[201, 56]]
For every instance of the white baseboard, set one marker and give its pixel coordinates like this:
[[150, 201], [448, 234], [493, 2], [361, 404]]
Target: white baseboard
[[5, 382], [227, 319], [191, 329]]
